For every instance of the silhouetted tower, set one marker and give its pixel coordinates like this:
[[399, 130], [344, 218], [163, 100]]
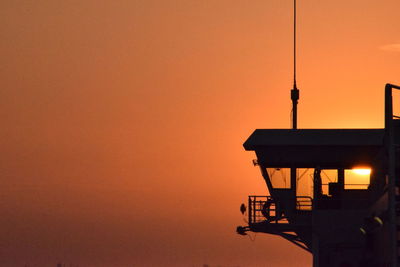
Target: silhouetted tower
[[341, 222], [322, 210]]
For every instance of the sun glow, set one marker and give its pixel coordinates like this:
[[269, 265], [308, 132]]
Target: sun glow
[[362, 171]]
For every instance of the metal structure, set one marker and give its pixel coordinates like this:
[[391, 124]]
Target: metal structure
[[333, 192]]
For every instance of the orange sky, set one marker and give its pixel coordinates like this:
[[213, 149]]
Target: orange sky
[[123, 121]]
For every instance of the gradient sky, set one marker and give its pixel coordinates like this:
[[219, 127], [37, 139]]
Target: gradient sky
[[123, 121]]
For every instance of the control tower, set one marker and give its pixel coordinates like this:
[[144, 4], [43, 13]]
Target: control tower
[[332, 192]]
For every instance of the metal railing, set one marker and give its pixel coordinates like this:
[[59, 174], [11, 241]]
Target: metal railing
[[325, 187], [258, 209], [264, 208], [304, 203]]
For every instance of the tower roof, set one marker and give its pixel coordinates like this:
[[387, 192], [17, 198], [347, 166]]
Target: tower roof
[[316, 147]]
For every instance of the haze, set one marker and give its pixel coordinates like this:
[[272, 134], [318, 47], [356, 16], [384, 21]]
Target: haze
[[123, 121]]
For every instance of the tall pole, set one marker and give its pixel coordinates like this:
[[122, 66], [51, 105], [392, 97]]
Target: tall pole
[[295, 98], [295, 93]]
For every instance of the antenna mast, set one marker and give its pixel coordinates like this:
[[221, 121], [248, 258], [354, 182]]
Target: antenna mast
[[295, 93]]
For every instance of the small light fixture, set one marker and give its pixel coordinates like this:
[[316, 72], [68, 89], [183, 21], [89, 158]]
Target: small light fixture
[[241, 230], [362, 230], [378, 220], [243, 208]]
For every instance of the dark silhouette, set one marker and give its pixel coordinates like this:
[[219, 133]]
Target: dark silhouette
[[339, 222]]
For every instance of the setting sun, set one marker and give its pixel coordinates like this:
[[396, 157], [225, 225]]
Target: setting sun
[[362, 171]]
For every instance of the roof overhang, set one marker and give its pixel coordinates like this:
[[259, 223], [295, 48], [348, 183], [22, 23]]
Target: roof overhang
[[326, 148]]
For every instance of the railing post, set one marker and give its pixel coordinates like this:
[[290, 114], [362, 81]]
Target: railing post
[[250, 209]]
